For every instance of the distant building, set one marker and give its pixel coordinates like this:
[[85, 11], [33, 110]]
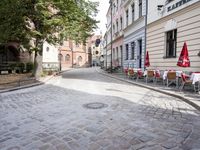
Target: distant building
[[68, 55], [94, 44]]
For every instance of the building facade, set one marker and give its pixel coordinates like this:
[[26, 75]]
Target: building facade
[[170, 24], [68, 55], [117, 32], [134, 33], [93, 44]]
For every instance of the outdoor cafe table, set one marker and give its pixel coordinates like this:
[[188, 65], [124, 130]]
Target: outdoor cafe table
[[195, 77]]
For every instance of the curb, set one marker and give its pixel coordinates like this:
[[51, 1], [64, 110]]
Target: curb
[[154, 89], [34, 84]]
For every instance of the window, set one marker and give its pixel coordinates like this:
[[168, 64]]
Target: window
[[117, 53], [47, 49], [140, 8], [121, 23], [132, 50], [171, 37], [133, 12], [126, 17], [117, 4], [126, 51], [67, 57], [77, 45], [117, 25], [113, 28], [80, 59], [113, 53], [60, 57]]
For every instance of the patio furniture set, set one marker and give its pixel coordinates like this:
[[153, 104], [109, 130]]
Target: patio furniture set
[[167, 77]]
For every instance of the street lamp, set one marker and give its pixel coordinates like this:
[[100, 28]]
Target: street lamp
[[111, 5], [72, 56], [60, 57]]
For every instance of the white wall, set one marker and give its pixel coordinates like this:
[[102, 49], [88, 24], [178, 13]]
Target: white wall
[[155, 14], [50, 58]]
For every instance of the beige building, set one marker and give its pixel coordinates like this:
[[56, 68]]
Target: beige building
[[170, 24]]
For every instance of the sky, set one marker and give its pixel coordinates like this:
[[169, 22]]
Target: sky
[[103, 7]]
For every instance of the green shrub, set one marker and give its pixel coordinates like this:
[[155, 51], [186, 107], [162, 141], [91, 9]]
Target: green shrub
[[29, 67]]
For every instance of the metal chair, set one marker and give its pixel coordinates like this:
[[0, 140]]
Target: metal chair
[[171, 78], [150, 76], [158, 76], [185, 81], [140, 75], [131, 73]]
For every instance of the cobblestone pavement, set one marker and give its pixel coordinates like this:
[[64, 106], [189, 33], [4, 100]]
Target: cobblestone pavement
[[53, 117]]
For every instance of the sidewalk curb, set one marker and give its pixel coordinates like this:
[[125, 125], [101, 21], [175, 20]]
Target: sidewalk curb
[[154, 89], [34, 84]]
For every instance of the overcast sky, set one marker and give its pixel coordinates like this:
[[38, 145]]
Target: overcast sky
[[103, 7]]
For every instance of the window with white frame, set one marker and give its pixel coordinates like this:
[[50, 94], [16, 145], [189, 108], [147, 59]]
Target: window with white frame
[[121, 23], [113, 28], [127, 17], [133, 12], [117, 25], [126, 52], [171, 38], [133, 50], [117, 53], [140, 8]]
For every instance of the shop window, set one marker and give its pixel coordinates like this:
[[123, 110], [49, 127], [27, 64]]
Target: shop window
[[171, 38], [126, 52], [132, 50]]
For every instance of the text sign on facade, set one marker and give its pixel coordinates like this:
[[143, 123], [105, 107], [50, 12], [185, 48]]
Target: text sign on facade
[[178, 4]]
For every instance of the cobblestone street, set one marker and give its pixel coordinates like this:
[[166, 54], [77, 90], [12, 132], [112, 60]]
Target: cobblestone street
[[54, 116]]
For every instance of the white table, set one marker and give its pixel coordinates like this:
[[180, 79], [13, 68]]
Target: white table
[[178, 74], [195, 77]]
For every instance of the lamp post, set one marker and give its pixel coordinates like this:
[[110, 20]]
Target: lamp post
[[60, 55], [106, 48], [111, 5], [72, 57]]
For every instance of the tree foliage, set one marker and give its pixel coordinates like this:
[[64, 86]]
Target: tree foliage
[[46, 20], [31, 22]]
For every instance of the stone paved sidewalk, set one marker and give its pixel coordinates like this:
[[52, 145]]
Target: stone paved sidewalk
[[188, 95]]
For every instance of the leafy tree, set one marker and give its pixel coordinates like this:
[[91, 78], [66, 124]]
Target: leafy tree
[[31, 22]]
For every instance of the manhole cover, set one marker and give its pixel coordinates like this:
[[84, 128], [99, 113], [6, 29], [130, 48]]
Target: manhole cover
[[95, 105]]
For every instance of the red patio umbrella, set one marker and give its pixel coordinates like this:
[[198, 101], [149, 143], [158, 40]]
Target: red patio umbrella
[[184, 60], [147, 62]]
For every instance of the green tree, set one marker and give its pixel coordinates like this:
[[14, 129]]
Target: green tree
[[31, 22]]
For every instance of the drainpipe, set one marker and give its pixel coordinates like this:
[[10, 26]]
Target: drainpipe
[[106, 49], [111, 35], [145, 39]]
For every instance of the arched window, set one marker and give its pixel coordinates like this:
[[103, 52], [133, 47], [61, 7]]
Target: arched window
[[80, 59], [67, 57], [60, 57]]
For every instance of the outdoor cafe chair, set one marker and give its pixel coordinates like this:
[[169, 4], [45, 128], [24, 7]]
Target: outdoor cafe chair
[[150, 76], [126, 71], [140, 75], [171, 78], [131, 73], [157, 76], [185, 81]]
